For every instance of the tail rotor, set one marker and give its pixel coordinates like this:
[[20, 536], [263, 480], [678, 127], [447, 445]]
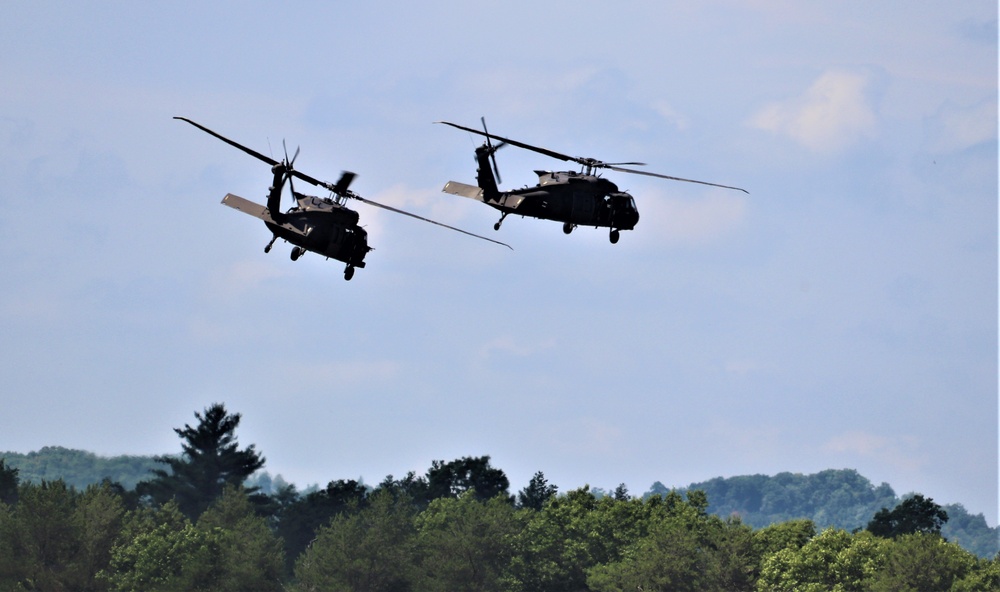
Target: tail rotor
[[492, 149]]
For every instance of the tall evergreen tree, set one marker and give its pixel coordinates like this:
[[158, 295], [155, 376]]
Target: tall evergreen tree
[[8, 483], [536, 493], [211, 460]]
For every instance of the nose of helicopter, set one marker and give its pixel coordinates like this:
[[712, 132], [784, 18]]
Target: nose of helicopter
[[626, 215]]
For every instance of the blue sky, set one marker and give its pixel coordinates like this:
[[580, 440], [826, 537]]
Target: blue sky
[[841, 315]]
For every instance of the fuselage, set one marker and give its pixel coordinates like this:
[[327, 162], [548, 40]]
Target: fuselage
[[574, 198], [324, 227]]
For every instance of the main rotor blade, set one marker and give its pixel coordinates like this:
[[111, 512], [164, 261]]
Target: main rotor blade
[[544, 151], [249, 151], [405, 213], [621, 170], [588, 162]]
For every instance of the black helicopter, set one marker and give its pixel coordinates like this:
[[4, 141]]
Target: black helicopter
[[575, 199], [321, 225]]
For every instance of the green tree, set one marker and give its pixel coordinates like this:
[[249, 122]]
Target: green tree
[[44, 539], [575, 532], [914, 514], [250, 556], [300, 520], [984, 576], [464, 543], [367, 550], [454, 478], [97, 519], [921, 561], [684, 549], [162, 552], [833, 560], [792, 534], [229, 549], [536, 493], [8, 483], [211, 460]]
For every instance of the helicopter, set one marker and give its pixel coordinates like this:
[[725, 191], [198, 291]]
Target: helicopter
[[574, 198], [322, 225]]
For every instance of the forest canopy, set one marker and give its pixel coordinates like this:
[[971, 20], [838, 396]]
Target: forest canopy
[[201, 519]]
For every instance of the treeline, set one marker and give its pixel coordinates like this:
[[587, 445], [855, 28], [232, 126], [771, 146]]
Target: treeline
[[839, 498], [53, 537], [78, 468], [195, 526]]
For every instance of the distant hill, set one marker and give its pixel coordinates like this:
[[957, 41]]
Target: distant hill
[[839, 498], [79, 468]]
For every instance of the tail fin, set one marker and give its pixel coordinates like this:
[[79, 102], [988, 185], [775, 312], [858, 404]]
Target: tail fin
[[274, 194], [484, 175]]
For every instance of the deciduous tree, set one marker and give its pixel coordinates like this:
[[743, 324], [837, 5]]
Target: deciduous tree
[[370, 549], [464, 543], [914, 514]]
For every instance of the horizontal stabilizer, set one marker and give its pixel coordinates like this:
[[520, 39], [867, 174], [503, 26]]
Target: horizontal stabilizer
[[258, 211], [247, 207], [463, 190]]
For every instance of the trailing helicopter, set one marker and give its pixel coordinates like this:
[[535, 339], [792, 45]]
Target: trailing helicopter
[[573, 198], [322, 225]]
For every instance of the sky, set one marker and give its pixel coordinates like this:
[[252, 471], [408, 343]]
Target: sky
[[842, 314]]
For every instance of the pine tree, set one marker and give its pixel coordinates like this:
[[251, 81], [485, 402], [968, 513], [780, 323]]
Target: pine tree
[[211, 460]]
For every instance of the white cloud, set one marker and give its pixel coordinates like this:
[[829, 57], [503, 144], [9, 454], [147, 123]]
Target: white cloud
[[956, 128], [507, 345], [242, 277], [831, 115], [897, 452], [671, 115], [693, 221]]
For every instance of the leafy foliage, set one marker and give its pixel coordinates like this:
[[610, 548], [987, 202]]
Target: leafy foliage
[[55, 538], [370, 548], [228, 549], [915, 514], [464, 543], [452, 479]]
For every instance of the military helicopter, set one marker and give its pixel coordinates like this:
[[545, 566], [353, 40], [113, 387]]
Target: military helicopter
[[575, 199], [322, 225]]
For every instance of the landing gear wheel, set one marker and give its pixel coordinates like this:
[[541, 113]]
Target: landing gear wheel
[[614, 237], [296, 253], [568, 228], [500, 221], [496, 226], [267, 249], [349, 273]]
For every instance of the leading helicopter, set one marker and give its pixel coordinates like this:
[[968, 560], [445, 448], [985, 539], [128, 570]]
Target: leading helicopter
[[322, 225], [573, 198]]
